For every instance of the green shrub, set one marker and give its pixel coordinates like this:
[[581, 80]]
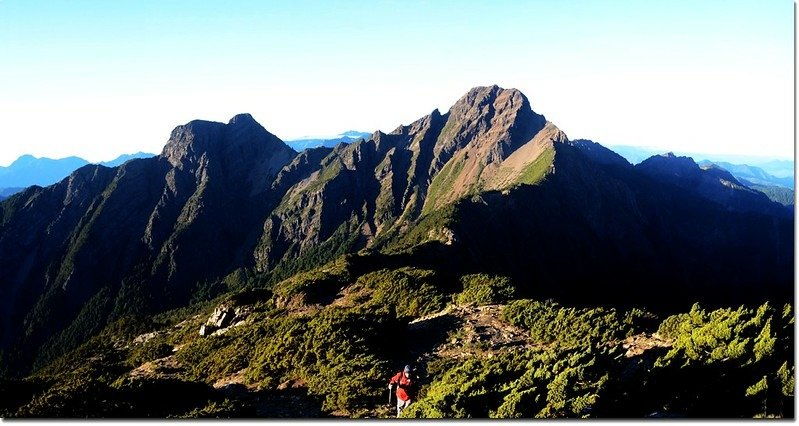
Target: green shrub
[[410, 292], [342, 355], [224, 409], [550, 323], [211, 358], [148, 351], [720, 335], [482, 289], [553, 383], [740, 358], [318, 285]]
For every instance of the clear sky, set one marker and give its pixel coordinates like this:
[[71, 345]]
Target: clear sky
[[98, 78]]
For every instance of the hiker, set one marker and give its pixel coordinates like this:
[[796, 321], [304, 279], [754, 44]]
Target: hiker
[[405, 388]]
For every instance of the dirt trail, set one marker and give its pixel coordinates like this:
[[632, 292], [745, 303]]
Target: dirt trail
[[640, 343], [464, 331]]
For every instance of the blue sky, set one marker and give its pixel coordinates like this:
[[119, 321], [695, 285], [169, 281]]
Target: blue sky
[[101, 78]]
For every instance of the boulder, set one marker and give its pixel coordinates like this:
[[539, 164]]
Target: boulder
[[223, 317]]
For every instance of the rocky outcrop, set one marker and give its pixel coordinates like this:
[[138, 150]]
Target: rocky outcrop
[[223, 317], [638, 344]]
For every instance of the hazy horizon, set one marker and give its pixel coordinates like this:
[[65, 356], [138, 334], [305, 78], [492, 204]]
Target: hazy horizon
[[96, 79]]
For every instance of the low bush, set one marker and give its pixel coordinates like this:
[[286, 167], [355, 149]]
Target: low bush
[[482, 289], [410, 292], [551, 323], [150, 350]]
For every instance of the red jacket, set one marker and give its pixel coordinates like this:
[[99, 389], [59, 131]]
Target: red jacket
[[405, 386]]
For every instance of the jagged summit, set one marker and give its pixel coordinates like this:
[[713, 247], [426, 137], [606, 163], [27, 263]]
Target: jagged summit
[[493, 122], [491, 112], [489, 94], [192, 137], [243, 119], [241, 137], [416, 126]]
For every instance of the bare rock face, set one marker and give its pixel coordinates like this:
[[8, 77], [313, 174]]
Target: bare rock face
[[489, 120], [222, 182], [444, 235], [483, 128], [146, 337], [376, 188], [334, 199], [189, 142], [220, 318], [223, 317], [366, 193]]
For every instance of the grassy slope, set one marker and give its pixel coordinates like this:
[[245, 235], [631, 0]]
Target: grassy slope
[[535, 171], [443, 184]]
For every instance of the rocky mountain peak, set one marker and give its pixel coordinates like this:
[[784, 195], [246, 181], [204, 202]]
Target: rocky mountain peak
[[242, 138], [190, 139], [243, 119], [491, 120], [490, 99]]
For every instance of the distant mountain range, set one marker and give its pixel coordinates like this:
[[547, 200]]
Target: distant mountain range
[[7, 192], [346, 137], [489, 186], [28, 170], [774, 178], [124, 158], [776, 168], [777, 189], [752, 174]]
